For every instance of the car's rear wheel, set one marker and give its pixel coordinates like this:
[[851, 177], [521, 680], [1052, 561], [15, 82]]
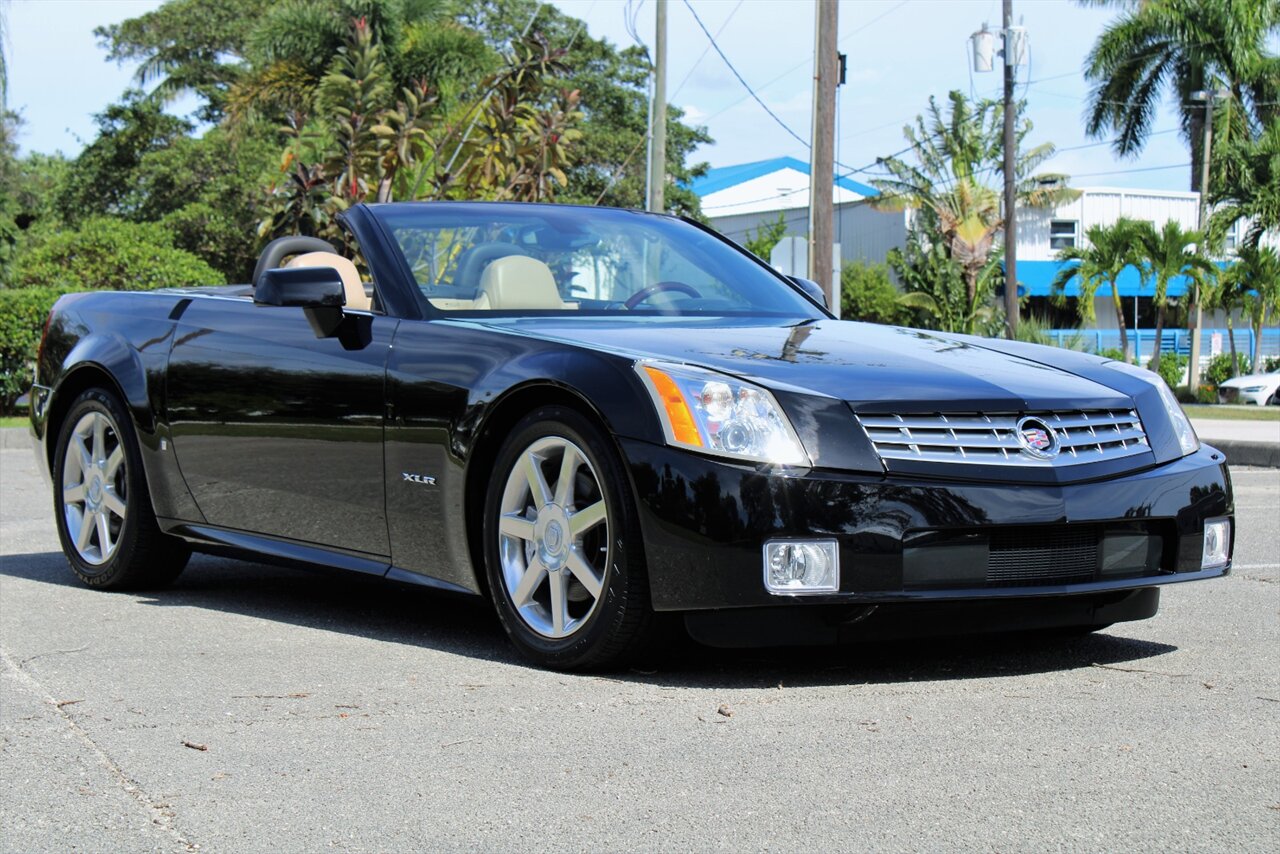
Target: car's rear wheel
[[563, 552], [105, 521]]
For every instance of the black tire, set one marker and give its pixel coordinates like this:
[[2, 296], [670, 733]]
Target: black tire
[[142, 556], [621, 622]]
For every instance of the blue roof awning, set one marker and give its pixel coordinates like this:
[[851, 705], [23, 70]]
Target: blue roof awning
[[1037, 276]]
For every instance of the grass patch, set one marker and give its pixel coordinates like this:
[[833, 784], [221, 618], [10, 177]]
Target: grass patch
[[14, 421], [1232, 413]]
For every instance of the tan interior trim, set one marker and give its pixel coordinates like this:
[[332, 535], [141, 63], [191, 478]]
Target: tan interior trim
[[351, 284]]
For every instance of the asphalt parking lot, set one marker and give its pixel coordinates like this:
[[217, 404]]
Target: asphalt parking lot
[[252, 708]]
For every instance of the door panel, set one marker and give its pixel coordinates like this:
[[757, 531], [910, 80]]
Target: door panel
[[279, 432]]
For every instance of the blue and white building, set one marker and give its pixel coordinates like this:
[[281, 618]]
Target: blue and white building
[[740, 199]]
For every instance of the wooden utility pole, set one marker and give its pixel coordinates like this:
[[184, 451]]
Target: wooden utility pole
[[658, 115], [1195, 316], [822, 154], [1010, 195]]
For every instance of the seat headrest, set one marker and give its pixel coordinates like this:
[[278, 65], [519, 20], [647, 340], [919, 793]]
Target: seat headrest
[[351, 284], [517, 282]]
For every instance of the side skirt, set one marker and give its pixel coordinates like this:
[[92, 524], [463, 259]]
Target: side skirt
[[242, 545]]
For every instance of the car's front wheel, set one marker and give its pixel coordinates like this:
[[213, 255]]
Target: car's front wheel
[[563, 553], [105, 521]]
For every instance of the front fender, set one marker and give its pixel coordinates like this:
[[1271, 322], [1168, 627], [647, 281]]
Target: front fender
[[99, 339]]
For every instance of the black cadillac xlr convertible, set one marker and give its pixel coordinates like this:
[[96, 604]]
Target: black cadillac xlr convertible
[[594, 417]]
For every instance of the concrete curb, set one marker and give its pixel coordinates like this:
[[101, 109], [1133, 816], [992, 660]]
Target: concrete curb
[[1240, 453], [15, 438]]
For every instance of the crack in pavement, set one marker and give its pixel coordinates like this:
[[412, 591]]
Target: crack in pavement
[[160, 817]]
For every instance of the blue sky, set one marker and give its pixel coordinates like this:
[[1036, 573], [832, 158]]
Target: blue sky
[[899, 53]]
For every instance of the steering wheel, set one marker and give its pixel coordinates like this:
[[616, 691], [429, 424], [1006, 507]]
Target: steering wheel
[[644, 293]]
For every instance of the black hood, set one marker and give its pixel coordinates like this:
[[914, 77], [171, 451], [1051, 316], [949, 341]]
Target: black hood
[[875, 368]]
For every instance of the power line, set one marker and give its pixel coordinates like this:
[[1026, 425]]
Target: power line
[[1057, 151], [1140, 169], [741, 80], [793, 69], [885, 14], [706, 50]]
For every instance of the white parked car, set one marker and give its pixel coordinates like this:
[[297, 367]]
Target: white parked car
[[1261, 389]]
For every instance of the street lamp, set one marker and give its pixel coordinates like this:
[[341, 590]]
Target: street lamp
[[1196, 314]]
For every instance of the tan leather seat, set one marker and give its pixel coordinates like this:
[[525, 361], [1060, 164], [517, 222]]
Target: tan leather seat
[[517, 282], [356, 297]]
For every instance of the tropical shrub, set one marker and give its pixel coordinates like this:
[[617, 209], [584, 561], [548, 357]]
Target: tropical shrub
[[22, 316], [766, 236], [1219, 370], [1113, 353], [1171, 367], [867, 293], [110, 254]]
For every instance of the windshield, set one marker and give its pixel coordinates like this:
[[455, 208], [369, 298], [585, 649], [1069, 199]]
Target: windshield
[[521, 258]]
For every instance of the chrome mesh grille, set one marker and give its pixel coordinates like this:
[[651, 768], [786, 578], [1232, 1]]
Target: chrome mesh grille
[[1084, 436]]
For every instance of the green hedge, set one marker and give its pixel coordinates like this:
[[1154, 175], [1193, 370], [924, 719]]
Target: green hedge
[[22, 316], [113, 255]]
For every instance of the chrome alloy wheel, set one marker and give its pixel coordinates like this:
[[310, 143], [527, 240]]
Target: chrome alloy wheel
[[94, 499], [553, 537]]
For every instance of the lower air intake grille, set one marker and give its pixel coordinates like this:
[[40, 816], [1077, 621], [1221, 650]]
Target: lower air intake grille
[[1067, 555]]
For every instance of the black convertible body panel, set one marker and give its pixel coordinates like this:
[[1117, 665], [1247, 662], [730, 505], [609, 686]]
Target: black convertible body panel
[[370, 444]]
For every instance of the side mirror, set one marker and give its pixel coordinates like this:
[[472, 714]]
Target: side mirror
[[812, 288], [300, 287], [317, 290]]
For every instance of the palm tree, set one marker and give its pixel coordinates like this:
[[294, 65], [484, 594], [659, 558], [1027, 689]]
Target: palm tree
[[1182, 46], [1164, 255], [1254, 281], [1246, 185], [1109, 250], [954, 180]]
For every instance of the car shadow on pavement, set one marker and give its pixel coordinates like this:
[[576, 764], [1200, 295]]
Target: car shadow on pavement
[[372, 608]]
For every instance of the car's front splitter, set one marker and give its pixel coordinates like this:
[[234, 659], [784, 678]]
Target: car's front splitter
[[915, 540]]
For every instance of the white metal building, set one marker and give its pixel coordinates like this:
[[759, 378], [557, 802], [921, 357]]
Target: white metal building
[[741, 199]]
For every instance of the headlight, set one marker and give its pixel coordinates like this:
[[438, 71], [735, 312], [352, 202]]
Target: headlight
[[717, 414], [1181, 424], [1253, 389]]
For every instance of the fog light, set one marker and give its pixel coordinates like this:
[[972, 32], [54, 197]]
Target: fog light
[[793, 567], [1217, 543]]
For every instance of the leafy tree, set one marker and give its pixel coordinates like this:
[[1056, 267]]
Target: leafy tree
[[265, 61], [8, 190], [952, 182], [1108, 251], [187, 46], [111, 254], [1164, 255], [206, 192], [101, 179], [1179, 47], [1254, 282], [867, 293]]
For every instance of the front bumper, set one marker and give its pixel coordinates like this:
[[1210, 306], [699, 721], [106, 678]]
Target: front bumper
[[904, 540]]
